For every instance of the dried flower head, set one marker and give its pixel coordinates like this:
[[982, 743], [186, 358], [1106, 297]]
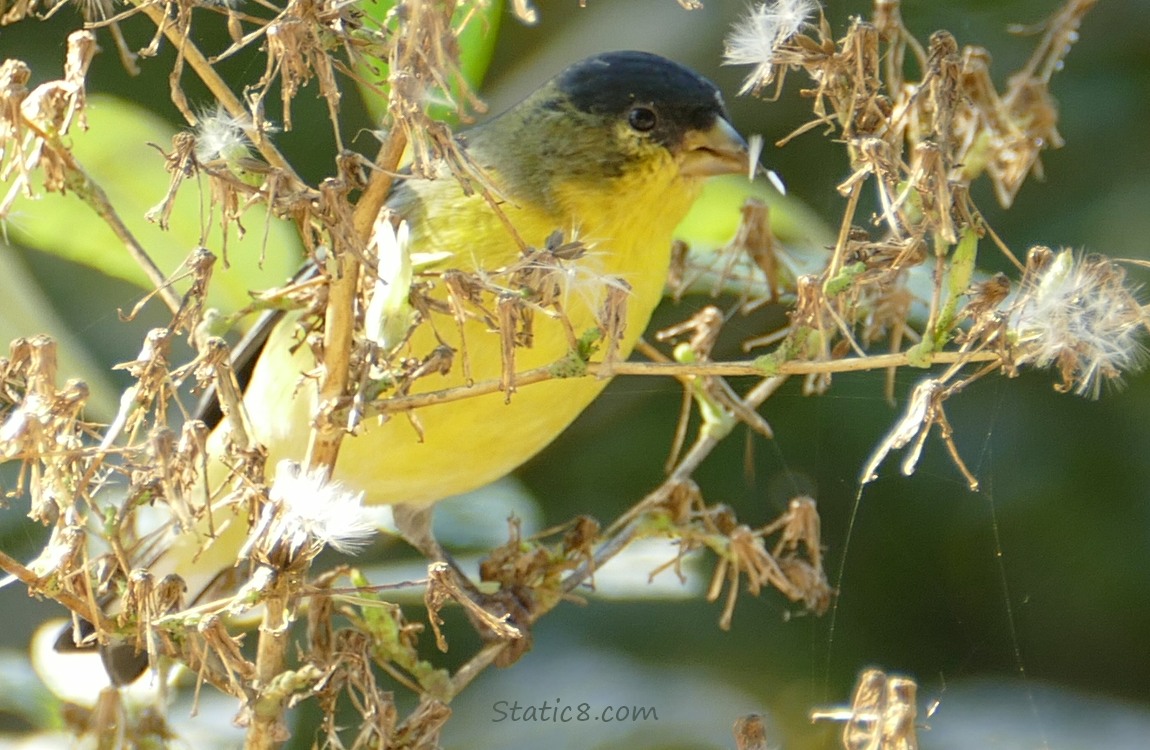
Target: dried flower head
[[306, 512], [1078, 314], [566, 267], [221, 136], [882, 712], [756, 38]]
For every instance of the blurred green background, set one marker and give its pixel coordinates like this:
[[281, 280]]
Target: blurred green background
[[1047, 645]]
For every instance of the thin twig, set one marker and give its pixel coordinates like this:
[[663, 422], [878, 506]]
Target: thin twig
[[89, 191], [679, 370], [34, 583], [621, 533], [339, 324], [216, 84]]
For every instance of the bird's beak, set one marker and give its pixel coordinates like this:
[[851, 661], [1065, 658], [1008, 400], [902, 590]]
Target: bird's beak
[[717, 150]]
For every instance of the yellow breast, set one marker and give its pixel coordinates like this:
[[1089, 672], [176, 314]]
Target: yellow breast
[[471, 442]]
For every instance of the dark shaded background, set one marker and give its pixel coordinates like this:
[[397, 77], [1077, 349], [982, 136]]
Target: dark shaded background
[[924, 591]]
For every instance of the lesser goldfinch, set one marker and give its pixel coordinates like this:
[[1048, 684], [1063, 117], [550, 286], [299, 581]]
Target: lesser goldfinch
[[612, 152]]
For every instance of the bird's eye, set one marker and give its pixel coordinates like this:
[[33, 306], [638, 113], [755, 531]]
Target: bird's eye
[[642, 119]]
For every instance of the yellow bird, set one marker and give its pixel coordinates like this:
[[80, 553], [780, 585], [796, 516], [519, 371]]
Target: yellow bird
[[612, 152]]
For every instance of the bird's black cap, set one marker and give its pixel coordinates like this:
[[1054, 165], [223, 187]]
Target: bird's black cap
[[613, 82]]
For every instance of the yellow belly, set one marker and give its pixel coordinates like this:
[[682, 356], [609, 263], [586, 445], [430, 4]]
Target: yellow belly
[[471, 442]]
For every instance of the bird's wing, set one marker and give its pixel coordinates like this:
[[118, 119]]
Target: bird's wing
[[245, 354]]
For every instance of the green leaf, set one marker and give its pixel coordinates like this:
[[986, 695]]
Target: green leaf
[[476, 46], [961, 271], [846, 276], [116, 154], [712, 221], [28, 312]]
